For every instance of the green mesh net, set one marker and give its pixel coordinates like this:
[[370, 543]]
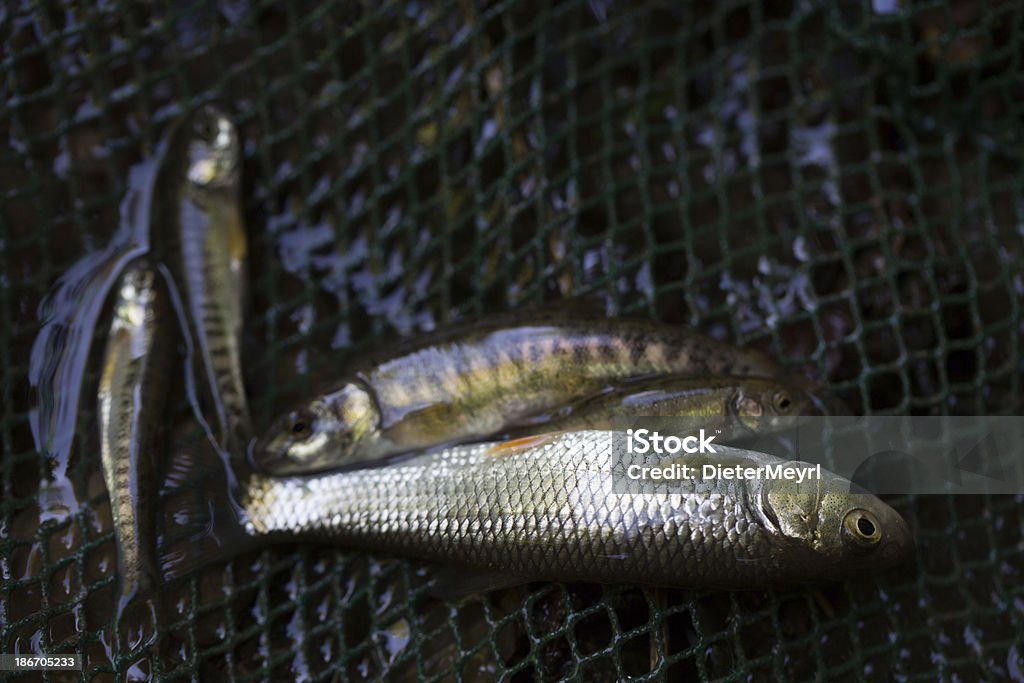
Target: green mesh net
[[838, 183]]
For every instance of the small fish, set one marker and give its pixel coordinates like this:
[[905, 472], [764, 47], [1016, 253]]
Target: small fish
[[480, 379], [132, 397], [747, 404], [198, 192], [547, 508]]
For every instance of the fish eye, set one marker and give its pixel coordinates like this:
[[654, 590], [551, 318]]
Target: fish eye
[[782, 401], [300, 426], [862, 528]]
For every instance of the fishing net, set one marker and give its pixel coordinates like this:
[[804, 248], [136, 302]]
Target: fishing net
[[837, 183]]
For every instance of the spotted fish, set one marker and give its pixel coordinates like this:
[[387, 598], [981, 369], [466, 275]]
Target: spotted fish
[[479, 379]]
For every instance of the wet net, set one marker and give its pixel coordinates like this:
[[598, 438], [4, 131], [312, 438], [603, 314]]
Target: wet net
[[838, 183]]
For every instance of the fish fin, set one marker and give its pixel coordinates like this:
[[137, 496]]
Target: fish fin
[[136, 588], [452, 584], [199, 519], [407, 424], [134, 612], [193, 389], [524, 443]]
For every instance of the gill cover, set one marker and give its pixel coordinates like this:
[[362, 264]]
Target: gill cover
[[310, 438], [842, 527]]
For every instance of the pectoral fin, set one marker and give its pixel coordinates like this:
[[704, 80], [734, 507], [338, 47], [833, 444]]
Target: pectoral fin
[[513, 446]]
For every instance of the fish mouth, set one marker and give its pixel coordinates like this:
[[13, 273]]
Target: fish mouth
[[283, 455], [270, 456]]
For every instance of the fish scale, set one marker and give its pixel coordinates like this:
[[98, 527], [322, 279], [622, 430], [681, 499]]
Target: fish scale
[[220, 318]]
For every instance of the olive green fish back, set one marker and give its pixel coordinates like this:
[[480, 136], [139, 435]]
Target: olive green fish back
[[836, 183]]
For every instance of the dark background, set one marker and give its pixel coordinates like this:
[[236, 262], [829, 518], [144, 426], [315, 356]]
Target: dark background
[[837, 183]]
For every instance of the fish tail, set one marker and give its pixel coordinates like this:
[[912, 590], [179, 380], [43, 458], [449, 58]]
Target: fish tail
[[200, 517], [134, 590], [137, 578]]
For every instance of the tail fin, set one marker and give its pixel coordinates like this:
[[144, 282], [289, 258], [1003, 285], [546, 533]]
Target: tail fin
[[199, 517]]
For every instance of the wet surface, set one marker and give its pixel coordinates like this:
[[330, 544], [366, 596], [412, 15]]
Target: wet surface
[[803, 180]]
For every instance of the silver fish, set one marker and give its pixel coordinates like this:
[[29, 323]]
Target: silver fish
[[548, 508], [132, 398]]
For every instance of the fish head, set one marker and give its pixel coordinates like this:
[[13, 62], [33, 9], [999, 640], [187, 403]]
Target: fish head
[[214, 153], [771, 404], [138, 281], [320, 434], [135, 296], [833, 529]]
